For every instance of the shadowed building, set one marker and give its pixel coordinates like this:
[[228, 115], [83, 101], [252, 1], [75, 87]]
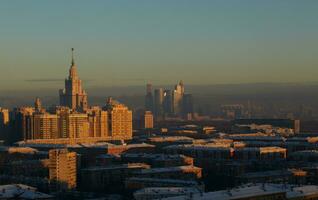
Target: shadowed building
[[158, 102], [149, 98]]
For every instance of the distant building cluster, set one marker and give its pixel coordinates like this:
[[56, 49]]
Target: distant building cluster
[[165, 102]]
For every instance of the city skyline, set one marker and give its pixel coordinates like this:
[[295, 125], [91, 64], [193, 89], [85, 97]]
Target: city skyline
[[123, 43], [159, 99]]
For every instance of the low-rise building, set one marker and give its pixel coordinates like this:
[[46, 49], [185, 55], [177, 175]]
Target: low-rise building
[[158, 160], [163, 192], [108, 178], [257, 192], [136, 183], [182, 172]]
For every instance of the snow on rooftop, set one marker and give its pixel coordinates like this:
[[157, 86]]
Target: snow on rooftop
[[152, 156], [154, 180], [167, 190], [252, 190], [170, 139], [25, 150], [169, 169], [236, 193], [22, 192]]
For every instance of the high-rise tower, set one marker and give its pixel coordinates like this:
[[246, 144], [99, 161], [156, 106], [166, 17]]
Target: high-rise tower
[[73, 95], [177, 98], [63, 168], [149, 98], [158, 102]]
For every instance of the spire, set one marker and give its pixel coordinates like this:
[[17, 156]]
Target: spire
[[73, 62], [73, 71]]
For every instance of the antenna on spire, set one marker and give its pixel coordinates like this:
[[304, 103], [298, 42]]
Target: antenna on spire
[[72, 56]]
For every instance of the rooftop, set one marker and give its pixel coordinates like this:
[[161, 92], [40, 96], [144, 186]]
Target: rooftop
[[123, 166], [169, 169], [166, 191], [20, 191], [251, 190]]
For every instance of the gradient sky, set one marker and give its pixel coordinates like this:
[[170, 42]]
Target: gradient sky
[[130, 42]]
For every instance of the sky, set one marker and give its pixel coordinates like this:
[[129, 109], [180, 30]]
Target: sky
[[131, 42]]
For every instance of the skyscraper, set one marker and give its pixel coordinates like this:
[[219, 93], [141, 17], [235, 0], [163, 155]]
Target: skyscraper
[[177, 97], [63, 168], [158, 102], [149, 98], [167, 102], [73, 95]]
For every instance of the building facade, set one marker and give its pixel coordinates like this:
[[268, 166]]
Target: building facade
[[63, 168]]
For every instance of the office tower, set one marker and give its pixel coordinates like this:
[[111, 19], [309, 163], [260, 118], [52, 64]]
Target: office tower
[[180, 87], [62, 168], [119, 119], [147, 120], [176, 102], [187, 104], [73, 94], [167, 102], [38, 105], [158, 102], [149, 98], [45, 126], [98, 122], [177, 97], [4, 123]]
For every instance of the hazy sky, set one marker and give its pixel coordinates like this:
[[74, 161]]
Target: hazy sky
[[129, 42]]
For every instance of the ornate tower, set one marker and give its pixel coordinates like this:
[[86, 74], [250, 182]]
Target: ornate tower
[[73, 95]]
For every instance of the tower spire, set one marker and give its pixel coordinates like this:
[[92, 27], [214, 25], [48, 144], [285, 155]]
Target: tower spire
[[73, 62]]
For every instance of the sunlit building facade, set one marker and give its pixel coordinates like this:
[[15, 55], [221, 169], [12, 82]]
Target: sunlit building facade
[[63, 168], [73, 95]]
